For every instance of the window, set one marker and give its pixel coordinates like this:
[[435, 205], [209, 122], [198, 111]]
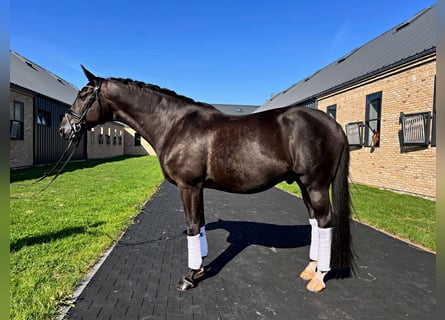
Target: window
[[415, 128], [15, 130], [16, 124], [332, 111], [19, 109], [100, 138], [354, 133], [43, 118], [137, 139], [119, 138], [372, 116], [92, 136], [115, 136], [29, 64]]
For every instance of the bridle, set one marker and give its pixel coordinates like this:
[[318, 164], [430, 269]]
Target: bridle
[[81, 125], [77, 129]]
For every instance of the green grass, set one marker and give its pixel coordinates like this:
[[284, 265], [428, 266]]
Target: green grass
[[56, 236], [407, 217]]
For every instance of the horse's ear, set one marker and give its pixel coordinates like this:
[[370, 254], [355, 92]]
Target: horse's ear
[[91, 77]]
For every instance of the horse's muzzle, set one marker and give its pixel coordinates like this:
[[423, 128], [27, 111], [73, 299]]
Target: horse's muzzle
[[65, 130], [70, 131]]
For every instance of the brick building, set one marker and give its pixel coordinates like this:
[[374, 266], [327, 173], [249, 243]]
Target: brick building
[[38, 101], [105, 141], [388, 85]]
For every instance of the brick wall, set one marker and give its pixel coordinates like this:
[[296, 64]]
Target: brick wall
[[407, 90], [105, 141], [21, 151]]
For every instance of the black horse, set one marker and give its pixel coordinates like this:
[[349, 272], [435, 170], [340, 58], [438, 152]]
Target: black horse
[[200, 147]]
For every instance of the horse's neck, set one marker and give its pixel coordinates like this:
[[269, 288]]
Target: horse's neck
[[151, 114]]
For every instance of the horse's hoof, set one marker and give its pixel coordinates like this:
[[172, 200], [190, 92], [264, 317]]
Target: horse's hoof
[[307, 274], [316, 285], [185, 284]]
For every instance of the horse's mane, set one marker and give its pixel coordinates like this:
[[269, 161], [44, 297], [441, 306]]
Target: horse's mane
[[156, 88]]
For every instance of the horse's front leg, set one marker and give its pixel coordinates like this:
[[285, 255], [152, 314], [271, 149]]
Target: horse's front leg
[[192, 199]]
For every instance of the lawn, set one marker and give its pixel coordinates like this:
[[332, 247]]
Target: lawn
[[56, 236], [407, 217]]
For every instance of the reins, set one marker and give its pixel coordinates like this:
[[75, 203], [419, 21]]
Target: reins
[[53, 169], [77, 130]]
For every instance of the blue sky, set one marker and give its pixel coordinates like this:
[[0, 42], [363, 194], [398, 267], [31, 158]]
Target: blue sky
[[234, 52]]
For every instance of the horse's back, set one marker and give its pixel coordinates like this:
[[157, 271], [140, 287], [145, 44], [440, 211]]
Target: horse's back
[[309, 130], [245, 153]]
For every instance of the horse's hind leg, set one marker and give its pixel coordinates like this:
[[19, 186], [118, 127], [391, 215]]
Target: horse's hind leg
[[309, 272], [318, 205], [192, 199]]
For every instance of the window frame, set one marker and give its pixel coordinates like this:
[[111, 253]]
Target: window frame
[[16, 124], [16, 131], [417, 117], [332, 111], [137, 139], [43, 115], [367, 134]]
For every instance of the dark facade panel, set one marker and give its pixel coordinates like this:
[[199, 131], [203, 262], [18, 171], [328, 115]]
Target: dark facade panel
[[48, 144]]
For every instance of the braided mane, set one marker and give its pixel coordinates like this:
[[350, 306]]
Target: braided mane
[[156, 88]]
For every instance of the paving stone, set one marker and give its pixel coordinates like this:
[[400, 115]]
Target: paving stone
[[258, 245]]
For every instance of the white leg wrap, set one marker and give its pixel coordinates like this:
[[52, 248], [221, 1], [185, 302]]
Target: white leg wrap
[[203, 238], [194, 248], [324, 251], [313, 252]]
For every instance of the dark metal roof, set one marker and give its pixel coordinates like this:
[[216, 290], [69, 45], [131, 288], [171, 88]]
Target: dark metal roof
[[27, 74], [235, 108], [411, 39]]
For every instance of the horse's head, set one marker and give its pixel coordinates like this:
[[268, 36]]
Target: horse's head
[[87, 110], [375, 139]]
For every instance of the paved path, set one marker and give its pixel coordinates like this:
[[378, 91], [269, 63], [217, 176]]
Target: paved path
[[258, 244]]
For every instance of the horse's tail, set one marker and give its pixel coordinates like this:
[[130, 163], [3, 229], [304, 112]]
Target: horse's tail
[[341, 248]]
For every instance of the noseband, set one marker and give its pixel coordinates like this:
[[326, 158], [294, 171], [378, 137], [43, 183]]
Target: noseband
[[78, 127]]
